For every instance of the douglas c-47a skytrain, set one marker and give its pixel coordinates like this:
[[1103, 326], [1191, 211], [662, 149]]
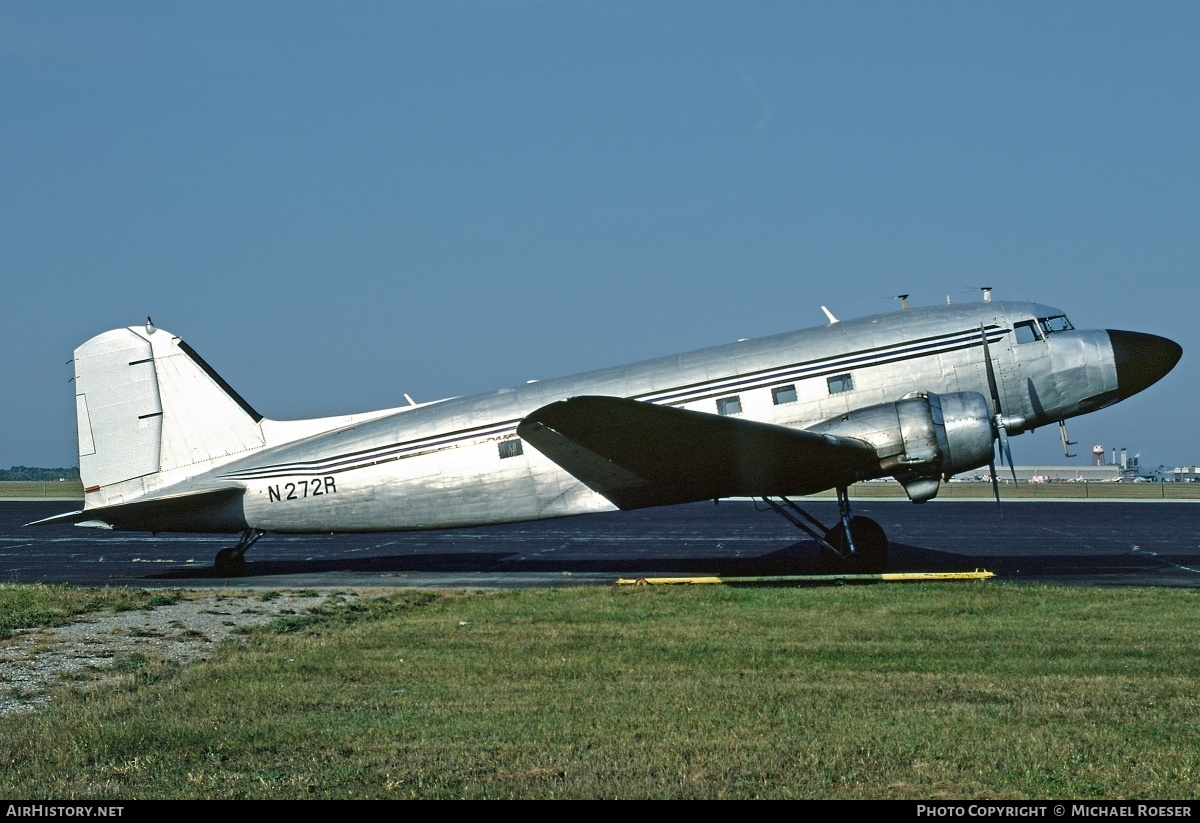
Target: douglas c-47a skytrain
[[918, 394]]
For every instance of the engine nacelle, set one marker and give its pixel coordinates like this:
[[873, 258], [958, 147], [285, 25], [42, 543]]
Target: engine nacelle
[[922, 437]]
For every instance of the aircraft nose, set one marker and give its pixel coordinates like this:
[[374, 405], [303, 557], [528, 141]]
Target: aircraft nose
[[1142, 359]]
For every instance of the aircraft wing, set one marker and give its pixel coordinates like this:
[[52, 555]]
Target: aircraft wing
[[639, 454]]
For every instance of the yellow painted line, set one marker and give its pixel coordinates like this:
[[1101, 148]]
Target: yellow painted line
[[670, 581], [893, 577]]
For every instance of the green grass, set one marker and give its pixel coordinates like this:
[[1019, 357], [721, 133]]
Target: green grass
[[31, 606], [978, 690], [63, 490]]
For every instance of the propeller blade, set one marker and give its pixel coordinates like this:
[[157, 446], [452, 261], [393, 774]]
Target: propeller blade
[[1002, 440], [991, 375], [1001, 433], [1008, 455], [995, 486]]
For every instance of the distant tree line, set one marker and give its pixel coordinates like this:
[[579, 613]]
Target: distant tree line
[[45, 475]]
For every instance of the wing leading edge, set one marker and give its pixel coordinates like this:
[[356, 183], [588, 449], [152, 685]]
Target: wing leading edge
[[638, 454]]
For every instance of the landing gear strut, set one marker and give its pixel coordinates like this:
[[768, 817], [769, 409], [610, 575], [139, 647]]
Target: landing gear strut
[[852, 545], [232, 562]]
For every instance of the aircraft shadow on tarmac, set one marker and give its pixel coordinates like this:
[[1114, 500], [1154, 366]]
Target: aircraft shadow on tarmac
[[802, 558]]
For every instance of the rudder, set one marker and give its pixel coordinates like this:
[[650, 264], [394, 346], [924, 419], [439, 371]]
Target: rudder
[[147, 404]]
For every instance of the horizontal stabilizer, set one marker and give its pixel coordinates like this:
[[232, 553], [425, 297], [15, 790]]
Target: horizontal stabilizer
[[638, 454], [215, 510], [65, 518]]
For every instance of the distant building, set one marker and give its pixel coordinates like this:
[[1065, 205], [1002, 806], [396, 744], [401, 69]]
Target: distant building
[[1066, 474]]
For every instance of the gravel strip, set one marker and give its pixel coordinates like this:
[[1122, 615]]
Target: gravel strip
[[35, 661]]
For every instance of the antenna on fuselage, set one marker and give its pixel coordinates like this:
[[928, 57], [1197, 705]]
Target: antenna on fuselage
[[987, 293], [903, 298], [829, 314]]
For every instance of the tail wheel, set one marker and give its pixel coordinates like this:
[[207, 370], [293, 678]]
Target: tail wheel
[[870, 547]]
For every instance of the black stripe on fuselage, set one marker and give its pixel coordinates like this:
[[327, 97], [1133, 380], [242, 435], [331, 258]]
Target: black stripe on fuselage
[[380, 454], [877, 356]]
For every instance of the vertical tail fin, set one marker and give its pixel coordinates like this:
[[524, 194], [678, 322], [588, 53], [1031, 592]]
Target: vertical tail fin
[[147, 404]]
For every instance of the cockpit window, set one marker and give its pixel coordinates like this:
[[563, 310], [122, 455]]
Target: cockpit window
[[1052, 325], [1025, 332]]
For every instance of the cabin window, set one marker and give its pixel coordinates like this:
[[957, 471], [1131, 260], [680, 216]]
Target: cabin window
[[510, 448], [841, 383], [1025, 332], [729, 405], [783, 394]]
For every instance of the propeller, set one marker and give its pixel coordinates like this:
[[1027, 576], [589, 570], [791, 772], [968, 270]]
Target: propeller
[[1000, 421]]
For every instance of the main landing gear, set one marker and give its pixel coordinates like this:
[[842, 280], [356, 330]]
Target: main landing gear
[[854, 545], [232, 562]]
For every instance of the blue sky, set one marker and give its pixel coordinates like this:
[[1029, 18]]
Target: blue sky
[[337, 203]]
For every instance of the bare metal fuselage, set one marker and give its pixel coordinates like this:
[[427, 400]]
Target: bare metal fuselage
[[919, 395], [458, 462]]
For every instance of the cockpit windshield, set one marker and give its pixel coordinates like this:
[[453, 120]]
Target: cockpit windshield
[[1028, 331], [1052, 325]]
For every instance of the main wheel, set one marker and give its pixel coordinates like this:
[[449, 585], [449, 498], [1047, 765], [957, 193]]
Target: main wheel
[[229, 564], [870, 547]]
